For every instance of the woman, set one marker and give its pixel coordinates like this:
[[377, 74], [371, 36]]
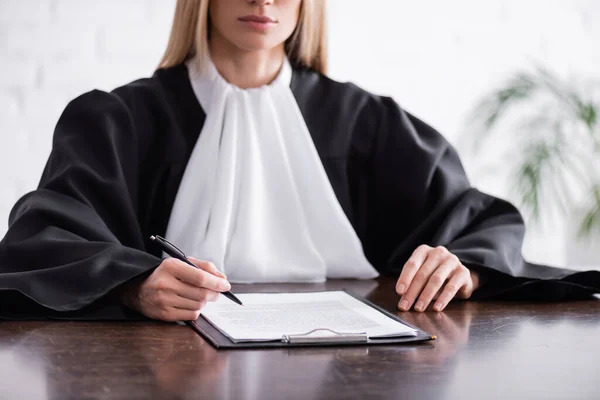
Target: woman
[[241, 151]]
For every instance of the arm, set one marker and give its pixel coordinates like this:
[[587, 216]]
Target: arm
[[428, 223], [74, 242], [76, 238]]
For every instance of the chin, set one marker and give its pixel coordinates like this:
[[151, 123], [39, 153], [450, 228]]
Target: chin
[[257, 43]]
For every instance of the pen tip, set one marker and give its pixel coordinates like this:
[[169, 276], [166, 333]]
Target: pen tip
[[152, 237]]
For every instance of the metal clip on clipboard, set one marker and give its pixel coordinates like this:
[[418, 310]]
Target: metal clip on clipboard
[[333, 337]]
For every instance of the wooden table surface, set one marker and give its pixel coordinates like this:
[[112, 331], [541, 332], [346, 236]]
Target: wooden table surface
[[485, 350]]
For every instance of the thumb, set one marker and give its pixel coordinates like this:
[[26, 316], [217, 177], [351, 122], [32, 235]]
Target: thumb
[[207, 266]]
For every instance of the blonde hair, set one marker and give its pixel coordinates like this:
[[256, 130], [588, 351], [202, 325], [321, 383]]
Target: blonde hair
[[189, 35]]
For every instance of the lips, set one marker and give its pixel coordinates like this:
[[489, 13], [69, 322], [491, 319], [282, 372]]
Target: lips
[[260, 19]]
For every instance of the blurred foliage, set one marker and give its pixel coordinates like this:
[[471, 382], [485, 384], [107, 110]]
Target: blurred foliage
[[555, 147]]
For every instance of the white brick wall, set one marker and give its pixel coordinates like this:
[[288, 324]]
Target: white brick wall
[[434, 57], [50, 52], [24, 11], [17, 74]]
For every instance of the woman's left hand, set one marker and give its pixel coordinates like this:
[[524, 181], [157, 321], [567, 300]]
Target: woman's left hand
[[434, 273]]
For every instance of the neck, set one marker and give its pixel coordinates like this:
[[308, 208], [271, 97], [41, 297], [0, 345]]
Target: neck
[[245, 69]]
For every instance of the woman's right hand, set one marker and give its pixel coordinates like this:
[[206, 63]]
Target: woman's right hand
[[176, 291]]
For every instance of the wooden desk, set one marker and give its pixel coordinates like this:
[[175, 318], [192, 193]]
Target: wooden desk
[[484, 351]]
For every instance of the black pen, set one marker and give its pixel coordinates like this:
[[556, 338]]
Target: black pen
[[173, 251]]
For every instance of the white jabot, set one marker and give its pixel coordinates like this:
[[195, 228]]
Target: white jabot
[[255, 199]]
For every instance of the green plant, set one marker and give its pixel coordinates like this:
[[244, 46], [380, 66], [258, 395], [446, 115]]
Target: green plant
[[555, 145]]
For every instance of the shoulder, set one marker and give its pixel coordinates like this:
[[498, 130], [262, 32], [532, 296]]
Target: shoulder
[[371, 117], [320, 94], [342, 117], [135, 116], [164, 86], [324, 92], [146, 95], [142, 104]]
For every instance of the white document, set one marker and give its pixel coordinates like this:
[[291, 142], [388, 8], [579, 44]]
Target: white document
[[271, 316]]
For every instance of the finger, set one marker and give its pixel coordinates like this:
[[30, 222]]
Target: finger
[[192, 292], [438, 293], [466, 290], [198, 277], [207, 266], [435, 282], [411, 267], [182, 303], [434, 258], [473, 283], [458, 280]]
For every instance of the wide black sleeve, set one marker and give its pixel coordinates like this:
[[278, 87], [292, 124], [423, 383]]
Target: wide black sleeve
[[419, 194], [77, 237]]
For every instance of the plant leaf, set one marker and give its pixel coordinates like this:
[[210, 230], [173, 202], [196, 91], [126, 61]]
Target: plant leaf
[[492, 107], [591, 219]]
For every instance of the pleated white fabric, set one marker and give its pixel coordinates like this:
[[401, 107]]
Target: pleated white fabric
[[255, 199]]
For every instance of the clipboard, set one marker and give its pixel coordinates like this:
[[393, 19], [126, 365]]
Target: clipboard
[[221, 341]]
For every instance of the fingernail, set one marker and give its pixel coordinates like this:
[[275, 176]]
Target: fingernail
[[437, 306], [400, 289], [419, 306], [226, 286], [404, 305]]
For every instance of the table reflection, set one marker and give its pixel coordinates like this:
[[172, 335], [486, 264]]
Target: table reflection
[[22, 368], [194, 368], [451, 331], [483, 350]]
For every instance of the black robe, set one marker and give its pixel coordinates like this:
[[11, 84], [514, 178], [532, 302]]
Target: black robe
[[118, 158]]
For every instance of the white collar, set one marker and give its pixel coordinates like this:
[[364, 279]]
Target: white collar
[[205, 82]]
